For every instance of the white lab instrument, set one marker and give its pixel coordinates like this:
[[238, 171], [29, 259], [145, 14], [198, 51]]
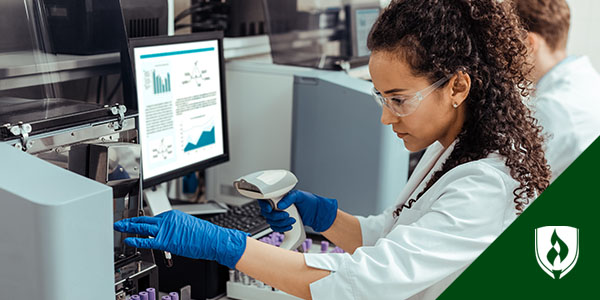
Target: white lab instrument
[[273, 185], [56, 232]]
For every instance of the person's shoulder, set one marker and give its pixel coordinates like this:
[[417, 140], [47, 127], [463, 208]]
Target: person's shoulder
[[570, 80], [551, 107], [567, 99], [480, 183], [490, 169], [483, 185]]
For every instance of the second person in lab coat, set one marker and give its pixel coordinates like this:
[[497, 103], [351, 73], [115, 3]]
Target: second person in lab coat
[[446, 73], [567, 98]]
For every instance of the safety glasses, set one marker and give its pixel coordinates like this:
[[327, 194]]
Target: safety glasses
[[404, 105]]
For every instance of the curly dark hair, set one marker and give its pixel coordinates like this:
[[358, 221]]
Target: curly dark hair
[[484, 39]]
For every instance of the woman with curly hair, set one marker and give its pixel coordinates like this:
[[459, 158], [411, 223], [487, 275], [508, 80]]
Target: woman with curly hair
[[449, 75]]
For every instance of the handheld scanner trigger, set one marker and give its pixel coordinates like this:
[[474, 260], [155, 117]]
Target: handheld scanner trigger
[[294, 237], [273, 185]]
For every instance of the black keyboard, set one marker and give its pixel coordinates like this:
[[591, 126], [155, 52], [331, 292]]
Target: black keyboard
[[246, 218]]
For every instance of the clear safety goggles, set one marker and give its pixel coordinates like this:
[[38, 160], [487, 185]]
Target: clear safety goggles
[[404, 105]]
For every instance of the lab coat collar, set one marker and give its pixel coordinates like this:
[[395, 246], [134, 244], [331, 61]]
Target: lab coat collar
[[557, 73], [432, 160]]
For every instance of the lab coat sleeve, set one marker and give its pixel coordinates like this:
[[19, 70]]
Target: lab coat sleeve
[[466, 215], [373, 227]]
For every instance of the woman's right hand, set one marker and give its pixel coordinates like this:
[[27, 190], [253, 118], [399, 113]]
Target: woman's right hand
[[316, 211]]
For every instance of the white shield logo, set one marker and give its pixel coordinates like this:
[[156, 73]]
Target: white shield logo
[[557, 249]]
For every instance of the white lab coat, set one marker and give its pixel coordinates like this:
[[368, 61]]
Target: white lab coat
[[567, 104], [421, 252]]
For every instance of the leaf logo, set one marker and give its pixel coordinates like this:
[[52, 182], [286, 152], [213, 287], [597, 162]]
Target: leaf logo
[[560, 244]]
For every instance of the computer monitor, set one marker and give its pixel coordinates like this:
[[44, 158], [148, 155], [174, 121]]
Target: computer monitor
[[361, 18], [180, 91]]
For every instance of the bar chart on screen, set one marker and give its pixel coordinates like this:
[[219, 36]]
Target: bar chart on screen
[[157, 80], [161, 85]]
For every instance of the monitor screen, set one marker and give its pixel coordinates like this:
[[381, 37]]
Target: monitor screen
[[180, 101], [364, 19]]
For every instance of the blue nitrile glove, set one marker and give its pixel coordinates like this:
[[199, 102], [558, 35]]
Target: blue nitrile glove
[[185, 235], [316, 211]]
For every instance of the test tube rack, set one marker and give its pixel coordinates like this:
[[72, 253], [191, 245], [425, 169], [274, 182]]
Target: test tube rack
[[241, 286], [238, 290]]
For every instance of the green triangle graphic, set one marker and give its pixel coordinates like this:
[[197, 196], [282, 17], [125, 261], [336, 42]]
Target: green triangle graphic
[[508, 268]]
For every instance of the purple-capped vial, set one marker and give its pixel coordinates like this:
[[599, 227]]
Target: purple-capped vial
[[151, 293], [245, 279], [166, 298], [143, 295], [309, 243], [324, 246], [134, 297], [259, 284], [232, 275], [174, 296], [275, 236]]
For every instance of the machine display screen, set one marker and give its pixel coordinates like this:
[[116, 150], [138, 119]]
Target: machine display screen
[[179, 102], [365, 18]]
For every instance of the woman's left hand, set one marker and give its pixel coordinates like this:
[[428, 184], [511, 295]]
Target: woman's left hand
[[185, 235]]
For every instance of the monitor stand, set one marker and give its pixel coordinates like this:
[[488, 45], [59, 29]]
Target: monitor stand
[[158, 202], [156, 199]]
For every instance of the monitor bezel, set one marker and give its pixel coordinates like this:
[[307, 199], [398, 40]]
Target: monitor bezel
[[351, 17], [178, 39]]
